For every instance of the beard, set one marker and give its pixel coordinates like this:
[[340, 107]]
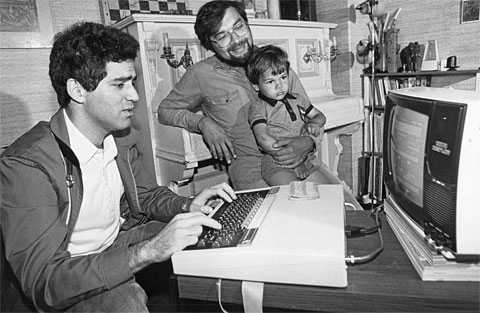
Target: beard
[[239, 59]]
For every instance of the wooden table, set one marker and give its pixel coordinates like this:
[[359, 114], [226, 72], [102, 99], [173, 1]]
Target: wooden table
[[389, 283]]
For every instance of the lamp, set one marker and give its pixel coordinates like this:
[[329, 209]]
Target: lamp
[[186, 60], [365, 50], [372, 8]]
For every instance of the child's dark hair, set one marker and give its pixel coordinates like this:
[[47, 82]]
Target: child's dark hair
[[266, 58], [82, 51]]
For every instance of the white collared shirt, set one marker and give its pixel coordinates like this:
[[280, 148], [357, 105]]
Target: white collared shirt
[[99, 220]]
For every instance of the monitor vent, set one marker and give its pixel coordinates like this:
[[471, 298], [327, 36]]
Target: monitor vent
[[440, 213]]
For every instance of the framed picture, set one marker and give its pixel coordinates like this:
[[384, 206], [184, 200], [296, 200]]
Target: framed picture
[[25, 24], [470, 11]]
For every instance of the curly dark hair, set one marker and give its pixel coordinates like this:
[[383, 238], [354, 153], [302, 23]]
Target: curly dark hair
[[82, 51], [266, 58], [210, 16]]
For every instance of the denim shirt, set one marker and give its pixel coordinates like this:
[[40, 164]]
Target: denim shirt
[[224, 94]]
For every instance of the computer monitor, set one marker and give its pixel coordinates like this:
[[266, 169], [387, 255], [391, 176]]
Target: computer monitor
[[432, 163]]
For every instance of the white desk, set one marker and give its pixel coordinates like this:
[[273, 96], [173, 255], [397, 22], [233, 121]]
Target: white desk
[[299, 242]]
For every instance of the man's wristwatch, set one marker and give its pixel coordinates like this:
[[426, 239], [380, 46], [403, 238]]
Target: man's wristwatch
[[186, 205]]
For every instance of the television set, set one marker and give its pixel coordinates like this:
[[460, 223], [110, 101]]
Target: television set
[[431, 152]]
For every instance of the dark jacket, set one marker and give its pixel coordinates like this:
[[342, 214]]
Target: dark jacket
[[35, 202]]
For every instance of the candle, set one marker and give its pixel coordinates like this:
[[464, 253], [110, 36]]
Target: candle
[[273, 7], [166, 43], [299, 10]]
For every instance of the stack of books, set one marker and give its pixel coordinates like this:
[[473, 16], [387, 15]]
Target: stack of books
[[431, 263]]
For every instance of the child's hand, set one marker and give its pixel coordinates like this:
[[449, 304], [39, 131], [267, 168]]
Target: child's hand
[[301, 171], [314, 130]]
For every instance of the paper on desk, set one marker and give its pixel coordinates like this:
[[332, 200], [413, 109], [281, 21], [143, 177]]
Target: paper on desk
[[303, 190]]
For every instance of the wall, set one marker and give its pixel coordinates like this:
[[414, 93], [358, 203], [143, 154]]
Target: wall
[[344, 69], [26, 95], [418, 21]]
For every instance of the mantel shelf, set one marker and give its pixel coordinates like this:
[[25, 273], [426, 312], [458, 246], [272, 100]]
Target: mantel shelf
[[426, 73]]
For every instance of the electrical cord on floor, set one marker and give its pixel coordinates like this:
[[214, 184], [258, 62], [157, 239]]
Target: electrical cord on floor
[[355, 231], [219, 294]]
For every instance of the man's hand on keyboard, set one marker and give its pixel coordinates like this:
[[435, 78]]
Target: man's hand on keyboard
[[222, 190], [182, 231]]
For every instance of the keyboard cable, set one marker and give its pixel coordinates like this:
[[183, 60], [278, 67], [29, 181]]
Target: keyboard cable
[[354, 231], [219, 294], [354, 208]]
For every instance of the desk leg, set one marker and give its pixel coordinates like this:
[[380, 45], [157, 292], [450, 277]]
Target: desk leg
[[175, 300]]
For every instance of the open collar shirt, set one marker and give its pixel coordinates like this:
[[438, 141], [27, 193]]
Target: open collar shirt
[[99, 220]]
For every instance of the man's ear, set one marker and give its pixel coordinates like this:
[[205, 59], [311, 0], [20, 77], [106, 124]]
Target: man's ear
[[75, 90], [255, 87]]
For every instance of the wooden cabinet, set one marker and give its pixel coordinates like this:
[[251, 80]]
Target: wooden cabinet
[[181, 159]]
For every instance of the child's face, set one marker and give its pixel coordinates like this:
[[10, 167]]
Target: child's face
[[273, 86]]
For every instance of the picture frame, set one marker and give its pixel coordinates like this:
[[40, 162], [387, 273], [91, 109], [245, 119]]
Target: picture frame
[[25, 24], [470, 11]]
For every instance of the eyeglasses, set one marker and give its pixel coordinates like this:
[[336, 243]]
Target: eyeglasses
[[224, 39]]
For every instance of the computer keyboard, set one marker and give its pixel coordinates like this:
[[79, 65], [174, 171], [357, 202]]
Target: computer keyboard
[[240, 220]]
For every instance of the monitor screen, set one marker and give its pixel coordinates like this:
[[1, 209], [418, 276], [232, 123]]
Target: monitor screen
[[407, 150]]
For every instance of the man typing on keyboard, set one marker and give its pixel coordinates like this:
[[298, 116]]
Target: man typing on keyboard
[[81, 214]]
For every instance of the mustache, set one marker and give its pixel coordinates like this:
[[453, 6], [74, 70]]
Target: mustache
[[237, 45]]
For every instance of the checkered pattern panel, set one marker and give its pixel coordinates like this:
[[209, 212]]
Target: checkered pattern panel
[[118, 9]]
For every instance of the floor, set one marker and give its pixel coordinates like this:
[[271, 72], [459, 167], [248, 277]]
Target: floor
[[155, 281]]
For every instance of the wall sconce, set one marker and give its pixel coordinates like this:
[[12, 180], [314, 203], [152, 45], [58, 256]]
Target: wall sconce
[[186, 60], [317, 57], [313, 55]]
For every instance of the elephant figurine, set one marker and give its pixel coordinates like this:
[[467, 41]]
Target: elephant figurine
[[409, 56]]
